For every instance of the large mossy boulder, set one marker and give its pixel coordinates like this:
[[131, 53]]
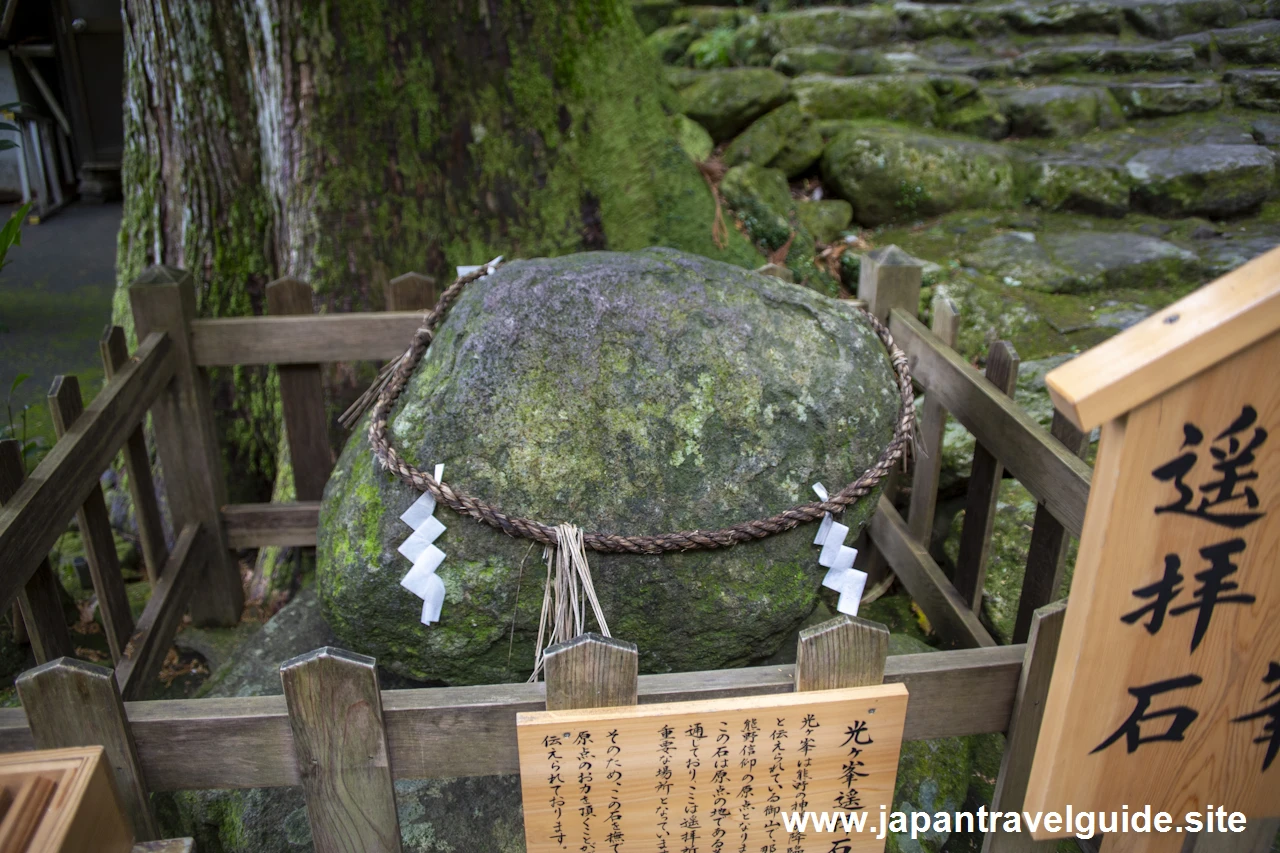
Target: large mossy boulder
[[727, 100], [1209, 180], [631, 393], [890, 174]]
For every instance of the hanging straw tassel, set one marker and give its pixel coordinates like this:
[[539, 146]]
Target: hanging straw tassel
[[566, 594]]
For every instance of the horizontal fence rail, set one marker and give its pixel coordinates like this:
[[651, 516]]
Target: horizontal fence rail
[[303, 339], [471, 731], [259, 525], [37, 514]]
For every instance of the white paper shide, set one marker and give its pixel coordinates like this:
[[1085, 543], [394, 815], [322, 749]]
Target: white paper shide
[[420, 550], [837, 558]]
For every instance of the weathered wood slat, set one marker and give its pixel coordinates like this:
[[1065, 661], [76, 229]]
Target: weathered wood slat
[[335, 714], [929, 587], [303, 340], [841, 652], [71, 703], [38, 512], [39, 604], [163, 299], [256, 525], [142, 488], [411, 292], [1047, 552], [933, 423], [1024, 729], [985, 478], [302, 399], [591, 671], [1049, 471], [471, 731], [160, 619], [888, 279], [65, 408]]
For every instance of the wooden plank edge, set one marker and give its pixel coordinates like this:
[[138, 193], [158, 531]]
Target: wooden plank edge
[[258, 525], [247, 743], [1063, 488], [69, 472], [153, 635]]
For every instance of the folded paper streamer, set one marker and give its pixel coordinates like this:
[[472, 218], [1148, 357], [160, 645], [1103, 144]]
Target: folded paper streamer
[[838, 559], [419, 549]]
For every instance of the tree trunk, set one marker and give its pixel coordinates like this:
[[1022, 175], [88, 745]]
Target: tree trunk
[[346, 142]]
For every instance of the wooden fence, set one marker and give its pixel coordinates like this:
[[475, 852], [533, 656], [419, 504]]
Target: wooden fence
[[297, 739]]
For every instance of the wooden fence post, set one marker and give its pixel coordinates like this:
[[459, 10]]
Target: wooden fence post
[[72, 703], [335, 712], [115, 354], [1024, 729], [984, 489], [841, 652], [164, 300], [591, 671], [65, 407], [888, 278], [39, 601], [933, 423], [1047, 553], [302, 400], [411, 292]]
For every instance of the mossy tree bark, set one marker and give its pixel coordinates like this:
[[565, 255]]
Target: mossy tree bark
[[348, 141]]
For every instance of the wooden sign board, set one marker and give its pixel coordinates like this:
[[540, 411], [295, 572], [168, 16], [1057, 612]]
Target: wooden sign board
[[711, 775], [1166, 687], [60, 801]]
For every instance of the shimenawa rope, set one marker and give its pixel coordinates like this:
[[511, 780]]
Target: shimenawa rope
[[395, 376]]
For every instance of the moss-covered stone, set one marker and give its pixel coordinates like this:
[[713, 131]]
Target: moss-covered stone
[[897, 97], [670, 43], [727, 100], [1258, 44], [1079, 261], [824, 59], [693, 138], [1256, 88], [833, 26], [785, 138], [1212, 180], [762, 201], [890, 174], [723, 417], [1144, 100], [1067, 111], [652, 14], [1168, 18], [1087, 186], [825, 219], [978, 116], [1140, 57], [711, 17]]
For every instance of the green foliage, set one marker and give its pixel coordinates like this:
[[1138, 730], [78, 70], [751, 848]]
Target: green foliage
[[713, 50], [16, 429]]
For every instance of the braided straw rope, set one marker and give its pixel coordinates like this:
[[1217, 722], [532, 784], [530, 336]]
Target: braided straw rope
[[614, 543]]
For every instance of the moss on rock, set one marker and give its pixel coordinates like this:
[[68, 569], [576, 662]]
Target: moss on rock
[[785, 138], [727, 100], [825, 219], [719, 419], [890, 174]]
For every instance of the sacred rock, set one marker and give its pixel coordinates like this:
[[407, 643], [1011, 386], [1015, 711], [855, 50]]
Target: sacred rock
[[637, 393]]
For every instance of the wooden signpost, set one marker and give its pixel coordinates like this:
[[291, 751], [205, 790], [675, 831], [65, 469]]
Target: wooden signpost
[[1166, 687], [684, 775]]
